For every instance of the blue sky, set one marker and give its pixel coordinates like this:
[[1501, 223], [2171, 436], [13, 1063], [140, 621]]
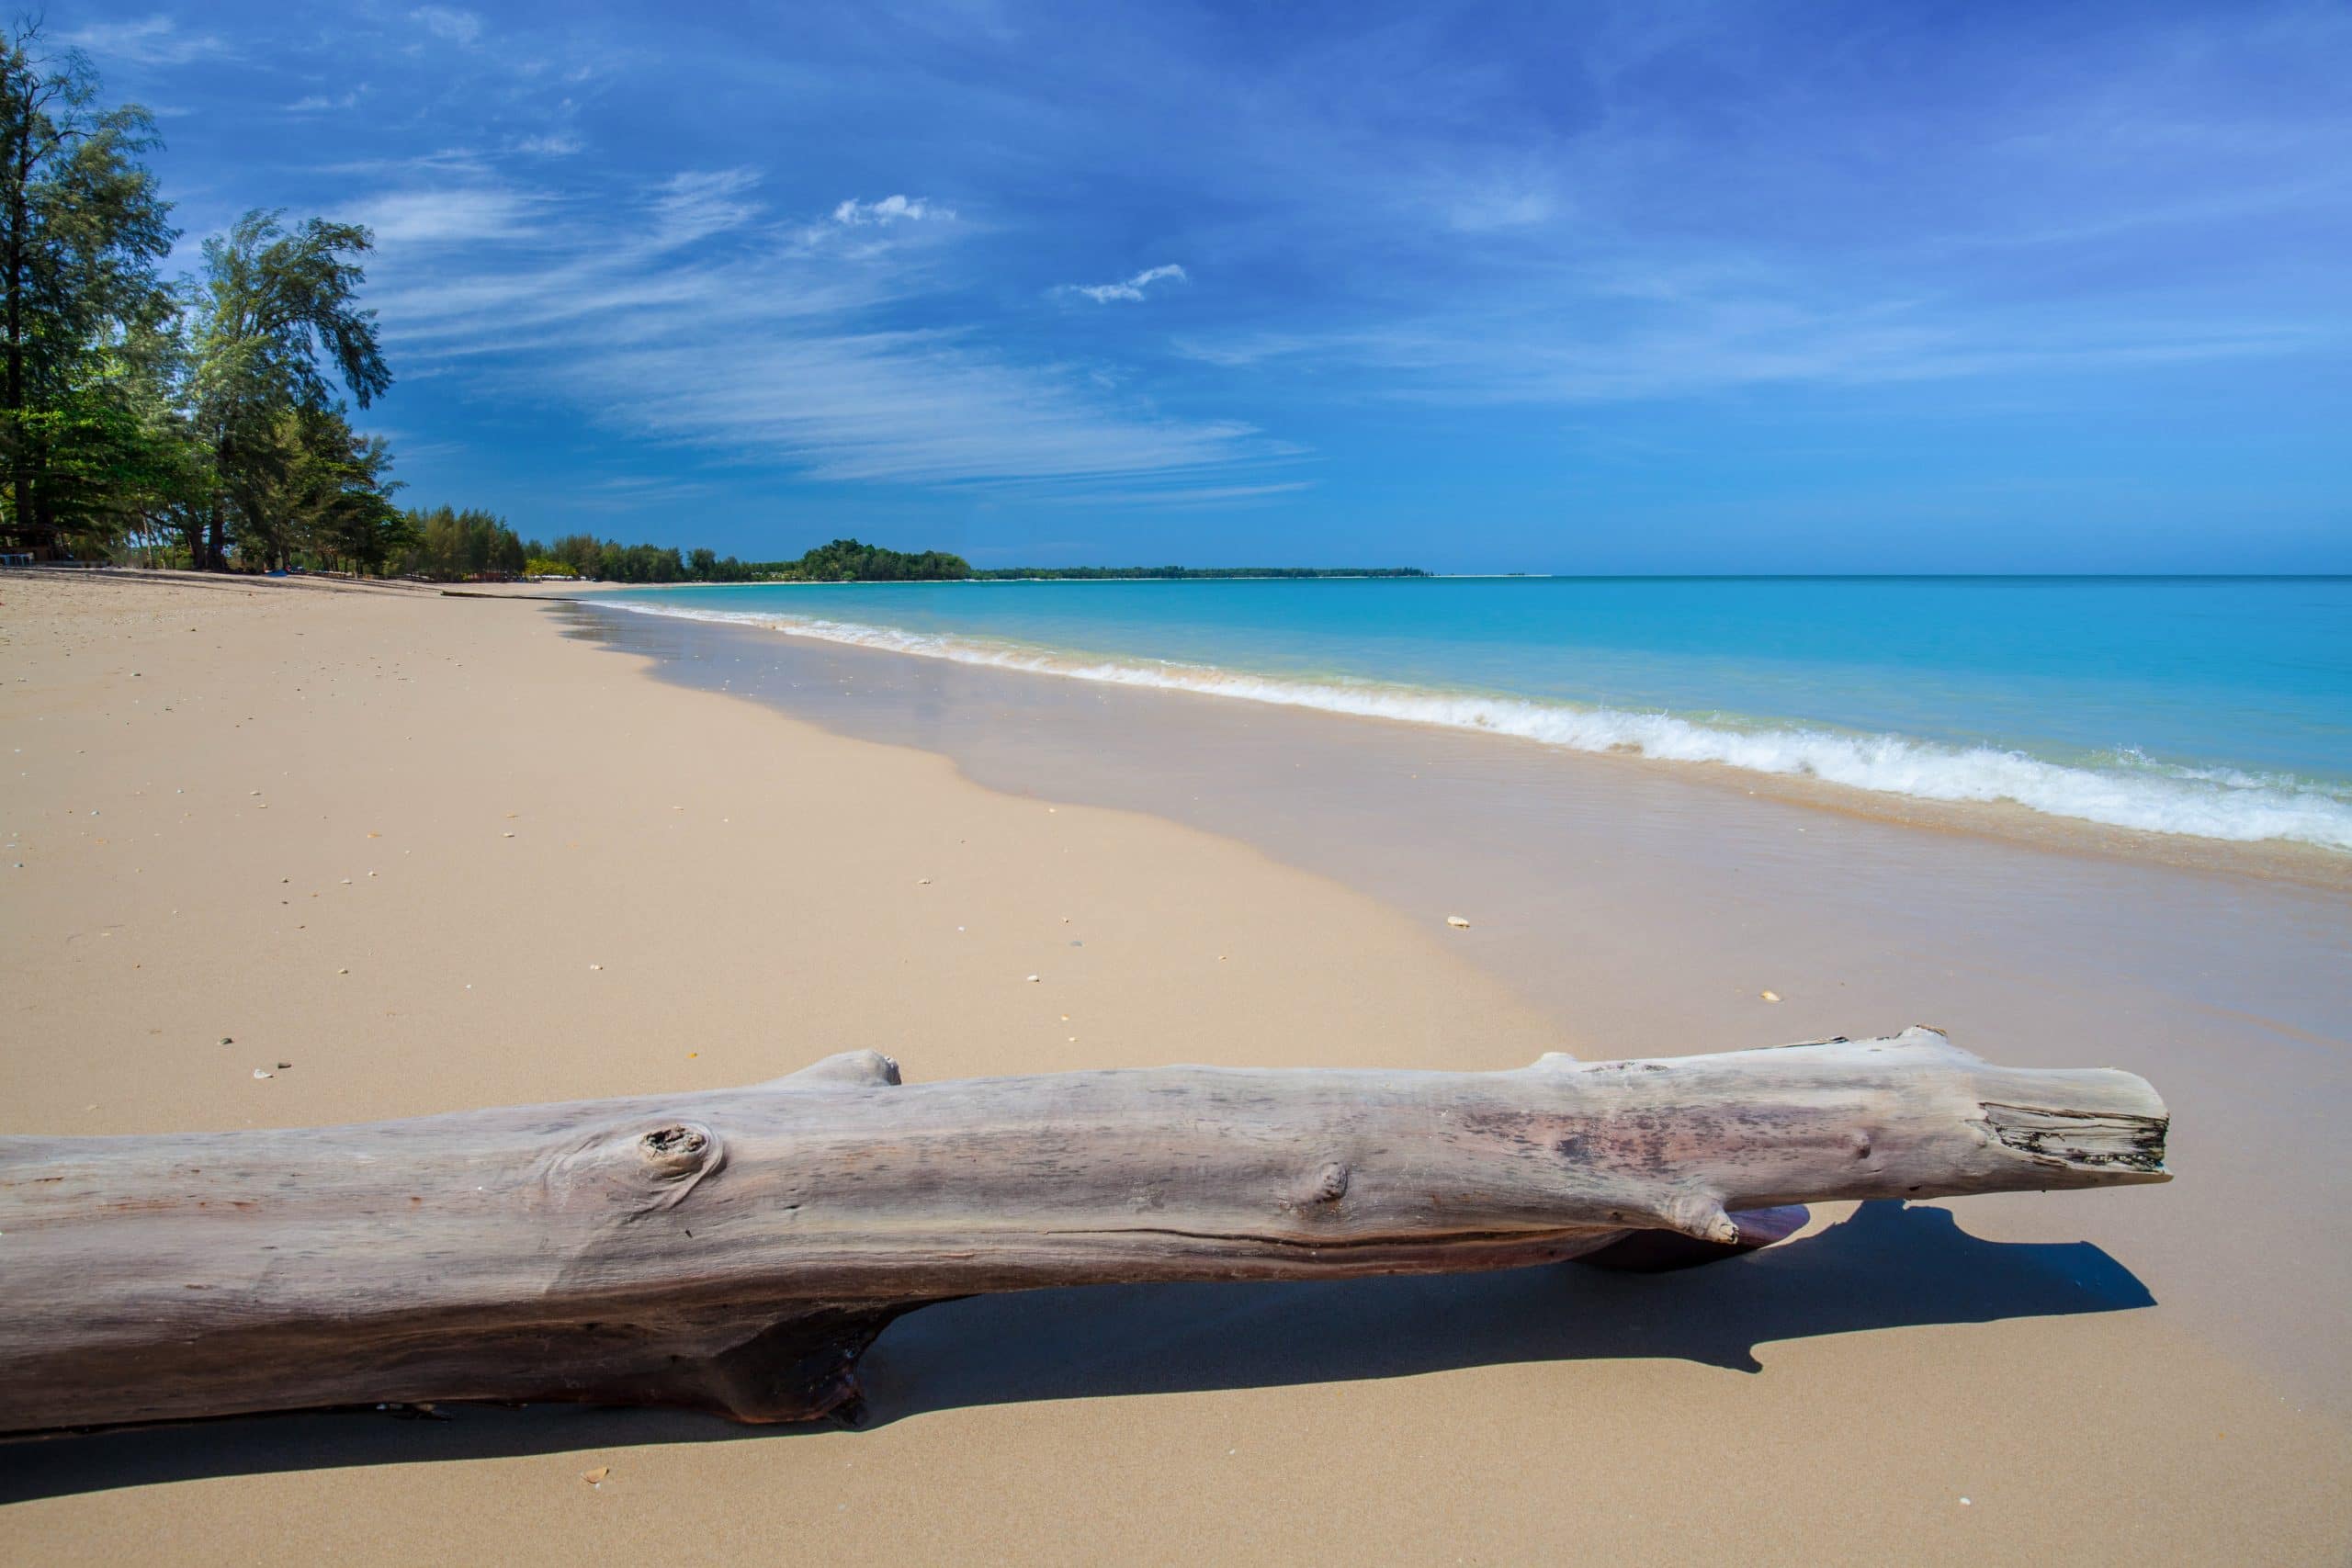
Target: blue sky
[[1568, 287]]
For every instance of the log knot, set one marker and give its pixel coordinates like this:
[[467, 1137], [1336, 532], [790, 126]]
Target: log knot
[[671, 1161], [1326, 1184], [677, 1148], [669, 1141]]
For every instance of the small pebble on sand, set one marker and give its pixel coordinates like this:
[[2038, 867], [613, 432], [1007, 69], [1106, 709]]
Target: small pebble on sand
[[1769, 996], [1457, 922]]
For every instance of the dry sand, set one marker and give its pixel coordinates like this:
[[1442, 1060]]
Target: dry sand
[[390, 837]]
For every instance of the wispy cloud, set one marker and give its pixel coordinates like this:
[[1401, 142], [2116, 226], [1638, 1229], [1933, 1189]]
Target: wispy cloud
[[699, 203], [318, 102], [447, 23], [1131, 289], [150, 41], [1698, 346], [555, 144], [445, 216], [1183, 495], [858, 214], [636, 492], [696, 316], [1500, 207]]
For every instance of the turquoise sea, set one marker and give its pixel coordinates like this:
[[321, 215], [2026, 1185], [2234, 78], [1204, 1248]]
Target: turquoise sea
[[2219, 707]]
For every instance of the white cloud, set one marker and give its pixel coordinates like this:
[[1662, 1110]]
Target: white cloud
[[319, 101], [890, 209], [704, 202], [635, 492], [557, 144], [449, 23], [1485, 211], [1132, 289], [151, 41], [1681, 343], [1184, 495], [445, 216], [691, 316], [910, 408]]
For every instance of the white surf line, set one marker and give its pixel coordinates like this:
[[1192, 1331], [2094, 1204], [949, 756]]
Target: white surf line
[[2219, 804]]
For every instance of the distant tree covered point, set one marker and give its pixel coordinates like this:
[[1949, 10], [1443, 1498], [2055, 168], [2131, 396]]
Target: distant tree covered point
[[847, 560]]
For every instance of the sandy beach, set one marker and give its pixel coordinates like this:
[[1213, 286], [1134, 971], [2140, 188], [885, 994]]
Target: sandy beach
[[406, 852]]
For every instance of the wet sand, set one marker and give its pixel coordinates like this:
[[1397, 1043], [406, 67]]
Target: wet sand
[[2152, 1370]]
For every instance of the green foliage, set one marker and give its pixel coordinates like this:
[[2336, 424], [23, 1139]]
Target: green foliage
[[81, 232], [308, 487], [271, 304], [846, 560], [130, 416], [449, 546], [608, 560], [112, 461]]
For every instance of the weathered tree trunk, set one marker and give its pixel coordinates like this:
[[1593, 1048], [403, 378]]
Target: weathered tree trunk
[[739, 1250]]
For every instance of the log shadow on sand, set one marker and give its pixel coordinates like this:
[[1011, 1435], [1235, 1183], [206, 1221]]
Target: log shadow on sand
[[1888, 1266]]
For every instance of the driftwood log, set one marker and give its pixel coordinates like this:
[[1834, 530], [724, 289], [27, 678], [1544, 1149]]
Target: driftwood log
[[739, 1250]]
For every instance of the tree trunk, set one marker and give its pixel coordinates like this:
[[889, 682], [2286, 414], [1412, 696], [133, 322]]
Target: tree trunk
[[20, 481], [737, 1250]]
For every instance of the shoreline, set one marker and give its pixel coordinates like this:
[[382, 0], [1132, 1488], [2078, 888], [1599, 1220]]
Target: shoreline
[[2303, 862], [1651, 877], [751, 885]]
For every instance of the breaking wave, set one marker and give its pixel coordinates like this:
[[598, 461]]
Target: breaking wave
[[2129, 791]]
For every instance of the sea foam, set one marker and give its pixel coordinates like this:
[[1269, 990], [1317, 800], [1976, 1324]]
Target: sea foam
[[2131, 792]]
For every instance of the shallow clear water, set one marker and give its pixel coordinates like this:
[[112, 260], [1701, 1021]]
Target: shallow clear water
[[2221, 708]]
